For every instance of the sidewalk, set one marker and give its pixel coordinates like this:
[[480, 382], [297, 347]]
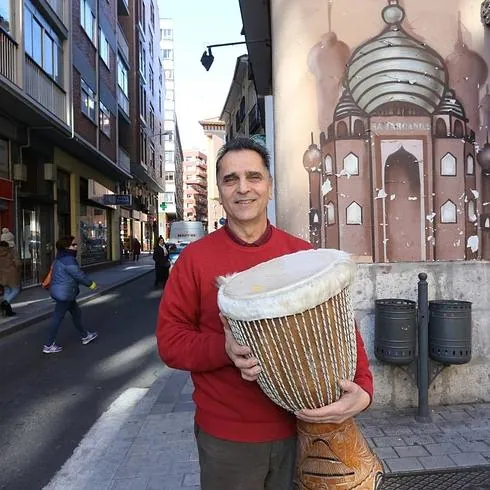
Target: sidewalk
[[145, 441], [34, 304]]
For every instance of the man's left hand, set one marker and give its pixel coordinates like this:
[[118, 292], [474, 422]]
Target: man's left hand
[[353, 401]]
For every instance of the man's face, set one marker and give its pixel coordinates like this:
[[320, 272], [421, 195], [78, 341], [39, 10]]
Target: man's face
[[245, 187]]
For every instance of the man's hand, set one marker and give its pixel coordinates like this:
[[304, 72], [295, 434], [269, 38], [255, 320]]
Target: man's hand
[[353, 401], [248, 366]]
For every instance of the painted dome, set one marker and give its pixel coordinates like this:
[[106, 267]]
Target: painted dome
[[396, 67], [347, 107], [451, 105]]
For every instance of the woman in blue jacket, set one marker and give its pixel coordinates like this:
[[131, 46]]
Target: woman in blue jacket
[[66, 277]]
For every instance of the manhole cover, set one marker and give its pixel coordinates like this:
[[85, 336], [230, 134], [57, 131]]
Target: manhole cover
[[474, 478]]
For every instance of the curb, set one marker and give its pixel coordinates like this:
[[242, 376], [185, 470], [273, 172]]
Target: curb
[[42, 315]]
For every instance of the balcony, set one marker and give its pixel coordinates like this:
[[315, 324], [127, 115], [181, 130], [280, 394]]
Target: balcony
[[8, 54], [44, 90], [58, 8], [122, 44], [123, 101], [123, 160]]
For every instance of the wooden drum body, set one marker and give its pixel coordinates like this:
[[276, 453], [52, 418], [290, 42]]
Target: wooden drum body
[[295, 314]]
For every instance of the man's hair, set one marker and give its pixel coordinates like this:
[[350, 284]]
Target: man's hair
[[4, 244], [64, 242], [240, 144]]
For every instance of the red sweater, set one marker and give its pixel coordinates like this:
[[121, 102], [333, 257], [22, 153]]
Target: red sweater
[[190, 337]]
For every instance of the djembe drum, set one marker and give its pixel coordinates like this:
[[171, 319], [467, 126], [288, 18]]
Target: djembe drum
[[295, 314]]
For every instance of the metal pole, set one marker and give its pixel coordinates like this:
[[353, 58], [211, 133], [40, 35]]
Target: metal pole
[[423, 414]]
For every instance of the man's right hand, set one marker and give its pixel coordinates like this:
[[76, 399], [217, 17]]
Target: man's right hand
[[248, 366]]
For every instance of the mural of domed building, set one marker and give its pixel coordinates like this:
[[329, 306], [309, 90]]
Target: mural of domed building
[[396, 175]]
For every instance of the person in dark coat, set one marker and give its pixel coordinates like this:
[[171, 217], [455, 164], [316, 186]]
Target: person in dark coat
[[64, 289], [162, 262], [136, 249], [9, 276]]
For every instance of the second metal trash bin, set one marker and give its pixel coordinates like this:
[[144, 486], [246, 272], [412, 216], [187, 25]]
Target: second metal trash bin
[[395, 328], [450, 331]]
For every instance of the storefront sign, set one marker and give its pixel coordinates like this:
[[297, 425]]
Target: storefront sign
[[6, 189], [117, 199]]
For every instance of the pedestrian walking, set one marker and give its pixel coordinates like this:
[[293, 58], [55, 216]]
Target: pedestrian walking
[[10, 272], [64, 289], [136, 245], [162, 262], [244, 440]]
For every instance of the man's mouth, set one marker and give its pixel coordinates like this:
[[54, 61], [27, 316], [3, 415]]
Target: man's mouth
[[244, 201]]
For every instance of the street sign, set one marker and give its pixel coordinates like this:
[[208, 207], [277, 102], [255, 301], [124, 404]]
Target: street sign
[[117, 199], [163, 206]]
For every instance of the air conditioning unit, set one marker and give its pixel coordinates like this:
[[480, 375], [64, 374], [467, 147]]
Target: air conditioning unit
[[20, 172], [49, 171]]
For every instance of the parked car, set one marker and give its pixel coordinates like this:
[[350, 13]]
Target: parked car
[[175, 249]]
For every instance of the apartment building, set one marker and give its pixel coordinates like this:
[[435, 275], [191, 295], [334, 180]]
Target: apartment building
[[170, 202], [195, 187], [214, 131], [65, 128]]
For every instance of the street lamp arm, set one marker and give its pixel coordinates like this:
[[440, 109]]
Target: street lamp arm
[[237, 43]]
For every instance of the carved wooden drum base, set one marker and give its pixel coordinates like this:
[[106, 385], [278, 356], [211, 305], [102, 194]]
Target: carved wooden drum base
[[332, 456]]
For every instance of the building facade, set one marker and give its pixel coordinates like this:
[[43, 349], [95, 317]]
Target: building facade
[[170, 202], [214, 131], [381, 116], [65, 123], [195, 187]]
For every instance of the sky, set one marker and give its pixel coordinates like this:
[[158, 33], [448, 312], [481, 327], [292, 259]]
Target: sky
[[201, 94]]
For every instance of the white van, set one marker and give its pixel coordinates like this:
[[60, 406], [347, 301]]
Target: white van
[[186, 231]]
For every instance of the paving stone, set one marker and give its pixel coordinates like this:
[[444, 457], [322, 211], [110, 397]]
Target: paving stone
[[403, 464], [411, 451], [387, 441], [468, 459], [472, 447], [140, 483], [397, 431], [372, 432], [385, 452], [418, 439], [436, 462], [441, 448]]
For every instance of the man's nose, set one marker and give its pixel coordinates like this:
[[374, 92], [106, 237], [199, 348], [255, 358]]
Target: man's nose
[[243, 186]]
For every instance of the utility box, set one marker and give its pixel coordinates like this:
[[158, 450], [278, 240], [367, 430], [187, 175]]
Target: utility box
[[450, 331], [395, 330]]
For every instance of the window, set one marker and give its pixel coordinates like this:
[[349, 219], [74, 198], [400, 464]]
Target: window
[[330, 211], [351, 164], [87, 19], [448, 165], [104, 120], [168, 115], [5, 16], [150, 48], [142, 147], [169, 157], [152, 82], [42, 43], [122, 76], [104, 49], [472, 212], [354, 214], [169, 74], [328, 165], [142, 59], [166, 33], [169, 177], [87, 100], [470, 165], [448, 212], [169, 94], [168, 197], [160, 102], [167, 54], [152, 155], [161, 165], [152, 15], [142, 102], [142, 14], [152, 119]]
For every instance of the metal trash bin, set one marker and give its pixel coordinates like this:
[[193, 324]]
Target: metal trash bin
[[450, 331], [395, 330]]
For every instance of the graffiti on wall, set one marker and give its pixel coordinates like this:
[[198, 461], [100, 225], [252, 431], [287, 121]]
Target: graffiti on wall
[[400, 170]]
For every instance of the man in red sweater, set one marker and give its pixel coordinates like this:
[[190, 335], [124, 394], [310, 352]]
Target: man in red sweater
[[245, 441]]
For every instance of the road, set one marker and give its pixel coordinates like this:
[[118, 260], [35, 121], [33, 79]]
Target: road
[[48, 402]]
